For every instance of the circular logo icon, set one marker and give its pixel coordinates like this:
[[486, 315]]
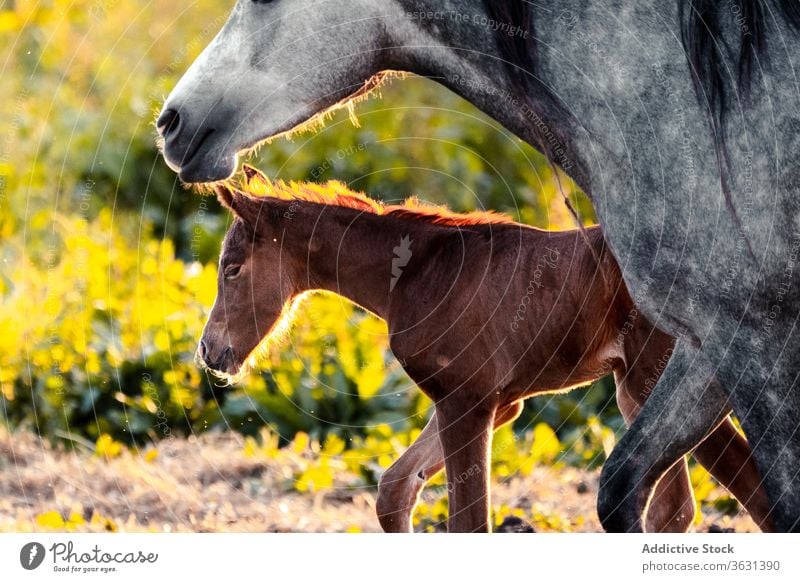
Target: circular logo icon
[[31, 555]]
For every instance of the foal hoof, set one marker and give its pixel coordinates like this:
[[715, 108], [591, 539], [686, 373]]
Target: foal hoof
[[512, 524], [714, 528]]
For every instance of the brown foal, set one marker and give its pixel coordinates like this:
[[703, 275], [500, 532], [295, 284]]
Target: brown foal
[[482, 313]]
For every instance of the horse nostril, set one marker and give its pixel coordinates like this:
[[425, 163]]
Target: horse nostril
[[168, 122], [202, 350], [227, 354]]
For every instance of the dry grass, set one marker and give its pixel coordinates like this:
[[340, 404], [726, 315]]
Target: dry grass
[[208, 484]]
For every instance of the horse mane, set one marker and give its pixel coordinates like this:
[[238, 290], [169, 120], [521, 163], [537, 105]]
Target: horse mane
[[701, 22], [700, 25], [335, 193], [519, 52]]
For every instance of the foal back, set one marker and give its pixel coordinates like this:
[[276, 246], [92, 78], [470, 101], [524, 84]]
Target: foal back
[[545, 307]]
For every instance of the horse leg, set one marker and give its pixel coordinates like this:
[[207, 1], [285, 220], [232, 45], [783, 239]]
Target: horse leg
[[682, 409], [768, 406], [724, 453], [672, 507], [727, 456], [400, 485], [465, 431]]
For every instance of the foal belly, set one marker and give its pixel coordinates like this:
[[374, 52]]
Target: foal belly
[[557, 377], [561, 362]]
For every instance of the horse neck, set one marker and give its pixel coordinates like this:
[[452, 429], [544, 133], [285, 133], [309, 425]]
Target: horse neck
[[351, 253], [569, 127]]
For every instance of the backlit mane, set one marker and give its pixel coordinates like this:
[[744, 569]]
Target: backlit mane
[[335, 193]]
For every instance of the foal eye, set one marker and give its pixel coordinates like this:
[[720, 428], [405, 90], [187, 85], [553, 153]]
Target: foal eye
[[232, 271]]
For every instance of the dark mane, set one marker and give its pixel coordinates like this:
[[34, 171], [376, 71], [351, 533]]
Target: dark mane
[[707, 49], [516, 41], [701, 23], [518, 50]]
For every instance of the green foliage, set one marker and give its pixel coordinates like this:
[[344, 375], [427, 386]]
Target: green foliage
[[336, 376], [100, 339]]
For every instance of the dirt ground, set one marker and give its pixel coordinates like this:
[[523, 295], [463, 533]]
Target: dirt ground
[[208, 484]]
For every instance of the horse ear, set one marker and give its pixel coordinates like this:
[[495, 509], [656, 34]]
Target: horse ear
[[256, 179]]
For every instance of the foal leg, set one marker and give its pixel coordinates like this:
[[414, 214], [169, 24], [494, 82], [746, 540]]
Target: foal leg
[[465, 431], [727, 456], [400, 485], [682, 409]]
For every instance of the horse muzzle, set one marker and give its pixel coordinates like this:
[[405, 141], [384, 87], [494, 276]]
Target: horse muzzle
[[193, 152]]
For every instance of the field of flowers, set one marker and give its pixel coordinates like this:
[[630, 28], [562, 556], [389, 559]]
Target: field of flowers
[[221, 481], [107, 272], [108, 264], [101, 390]]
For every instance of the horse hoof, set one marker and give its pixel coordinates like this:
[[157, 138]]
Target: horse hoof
[[714, 528], [513, 524]]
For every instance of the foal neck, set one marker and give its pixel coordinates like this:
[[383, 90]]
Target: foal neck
[[358, 255]]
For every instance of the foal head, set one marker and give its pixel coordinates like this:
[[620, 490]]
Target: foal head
[[254, 286]]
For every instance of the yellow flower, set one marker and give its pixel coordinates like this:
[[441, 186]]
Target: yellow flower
[[54, 520], [107, 448]]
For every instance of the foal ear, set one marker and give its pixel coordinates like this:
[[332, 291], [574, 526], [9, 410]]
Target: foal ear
[[256, 179], [225, 195], [246, 208]]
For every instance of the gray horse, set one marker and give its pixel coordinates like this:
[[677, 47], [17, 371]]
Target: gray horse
[[680, 119]]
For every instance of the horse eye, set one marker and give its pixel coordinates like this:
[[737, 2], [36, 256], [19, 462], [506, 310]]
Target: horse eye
[[232, 271]]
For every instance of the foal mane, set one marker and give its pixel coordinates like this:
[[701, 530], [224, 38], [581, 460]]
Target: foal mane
[[334, 193]]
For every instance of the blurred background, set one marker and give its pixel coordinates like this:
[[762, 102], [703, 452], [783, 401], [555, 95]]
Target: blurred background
[[109, 266]]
